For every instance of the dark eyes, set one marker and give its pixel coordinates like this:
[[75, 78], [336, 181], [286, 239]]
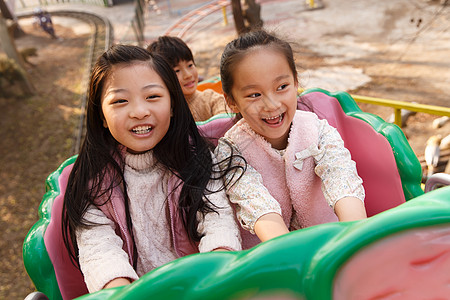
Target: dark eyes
[[190, 65], [119, 101], [153, 97], [282, 87], [254, 95]]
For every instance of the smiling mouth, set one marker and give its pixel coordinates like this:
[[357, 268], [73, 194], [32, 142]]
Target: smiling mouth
[[142, 129], [274, 120]]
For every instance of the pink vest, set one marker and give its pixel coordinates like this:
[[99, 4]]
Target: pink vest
[[115, 210], [297, 189]]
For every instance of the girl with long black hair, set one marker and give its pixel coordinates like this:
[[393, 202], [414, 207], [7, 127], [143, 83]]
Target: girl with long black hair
[[144, 189]]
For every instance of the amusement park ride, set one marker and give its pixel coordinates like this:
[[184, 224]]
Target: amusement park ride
[[402, 251]]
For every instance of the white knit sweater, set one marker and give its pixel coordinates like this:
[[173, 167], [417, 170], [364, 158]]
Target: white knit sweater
[[101, 256]]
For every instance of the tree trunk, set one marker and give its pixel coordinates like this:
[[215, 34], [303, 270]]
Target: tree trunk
[[246, 17], [238, 17], [8, 45], [5, 11], [252, 13]]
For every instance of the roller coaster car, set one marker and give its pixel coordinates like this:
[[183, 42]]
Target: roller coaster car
[[401, 252]]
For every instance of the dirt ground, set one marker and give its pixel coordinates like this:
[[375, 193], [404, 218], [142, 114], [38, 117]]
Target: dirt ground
[[37, 133]]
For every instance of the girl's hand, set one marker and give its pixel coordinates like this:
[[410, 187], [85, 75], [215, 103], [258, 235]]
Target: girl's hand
[[350, 209], [269, 226], [117, 282]]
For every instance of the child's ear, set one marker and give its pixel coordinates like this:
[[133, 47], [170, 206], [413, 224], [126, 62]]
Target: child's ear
[[104, 123], [231, 104]]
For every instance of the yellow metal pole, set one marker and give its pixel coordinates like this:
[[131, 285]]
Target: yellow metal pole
[[225, 19], [424, 108], [398, 117]]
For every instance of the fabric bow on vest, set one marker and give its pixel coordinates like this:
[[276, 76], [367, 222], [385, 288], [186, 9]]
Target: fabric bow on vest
[[305, 153]]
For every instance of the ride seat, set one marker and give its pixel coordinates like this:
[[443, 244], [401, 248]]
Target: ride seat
[[385, 161], [45, 257], [390, 170]]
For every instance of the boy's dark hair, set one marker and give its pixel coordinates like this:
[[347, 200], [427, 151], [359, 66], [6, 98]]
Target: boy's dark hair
[[172, 48]]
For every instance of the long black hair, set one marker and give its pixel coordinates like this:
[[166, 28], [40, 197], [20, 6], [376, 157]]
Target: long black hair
[[99, 164]]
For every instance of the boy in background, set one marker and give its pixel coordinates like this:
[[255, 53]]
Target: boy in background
[[203, 104]]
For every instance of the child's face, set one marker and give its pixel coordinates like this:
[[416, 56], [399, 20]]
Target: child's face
[[136, 106], [187, 76], [265, 93]]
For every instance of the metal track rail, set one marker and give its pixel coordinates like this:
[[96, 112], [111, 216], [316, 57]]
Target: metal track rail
[[180, 27], [102, 30], [102, 36], [101, 39]]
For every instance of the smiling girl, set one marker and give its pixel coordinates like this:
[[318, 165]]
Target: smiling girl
[[299, 174], [143, 190]]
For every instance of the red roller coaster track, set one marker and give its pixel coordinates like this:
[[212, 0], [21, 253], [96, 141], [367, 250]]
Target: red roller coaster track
[[187, 21]]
